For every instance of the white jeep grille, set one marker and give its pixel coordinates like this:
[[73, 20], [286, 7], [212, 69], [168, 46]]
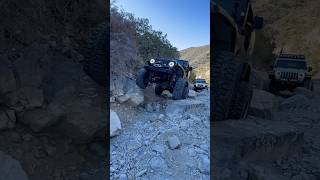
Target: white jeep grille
[[289, 75]]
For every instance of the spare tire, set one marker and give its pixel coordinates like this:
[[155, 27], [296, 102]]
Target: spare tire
[[97, 55]]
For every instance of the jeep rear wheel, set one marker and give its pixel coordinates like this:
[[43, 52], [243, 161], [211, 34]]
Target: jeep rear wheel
[[226, 81], [158, 90], [180, 90], [142, 78], [241, 102]]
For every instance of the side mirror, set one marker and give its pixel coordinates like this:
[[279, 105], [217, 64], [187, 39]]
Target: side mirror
[[258, 22], [309, 69]]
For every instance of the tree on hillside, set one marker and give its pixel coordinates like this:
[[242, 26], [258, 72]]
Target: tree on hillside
[[151, 43]]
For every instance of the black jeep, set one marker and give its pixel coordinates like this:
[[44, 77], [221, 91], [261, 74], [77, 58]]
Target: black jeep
[[168, 74]]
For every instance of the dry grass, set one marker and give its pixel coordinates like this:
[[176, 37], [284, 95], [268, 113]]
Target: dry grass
[[199, 58]]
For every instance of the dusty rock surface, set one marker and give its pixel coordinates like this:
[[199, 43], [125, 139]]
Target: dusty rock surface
[[282, 147], [158, 143]]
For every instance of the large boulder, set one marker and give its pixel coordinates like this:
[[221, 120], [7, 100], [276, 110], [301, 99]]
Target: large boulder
[[299, 101], [240, 145], [31, 97], [7, 79], [10, 169], [7, 119], [38, 119], [30, 67], [82, 120], [192, 93], [263, 104], [304, 91], [136, 96], [115, 124], [179, 107]]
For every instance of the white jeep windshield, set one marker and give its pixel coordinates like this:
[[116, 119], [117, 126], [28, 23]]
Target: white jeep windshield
[[200, 81], [283, 63]]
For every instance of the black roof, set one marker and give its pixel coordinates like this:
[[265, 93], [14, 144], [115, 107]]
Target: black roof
[[292, 56]]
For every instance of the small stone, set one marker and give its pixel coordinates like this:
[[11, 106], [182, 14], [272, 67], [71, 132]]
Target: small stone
[[158, 148], [192, 93], [112, 99], [27, 137], [174, 142], [123, 177], [141, 173], [157, 163], [122, 99], [166, 94], [204, 165], [51, 150]]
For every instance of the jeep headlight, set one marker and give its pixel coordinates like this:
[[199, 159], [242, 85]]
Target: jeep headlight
[[171, 64], [152, 61]]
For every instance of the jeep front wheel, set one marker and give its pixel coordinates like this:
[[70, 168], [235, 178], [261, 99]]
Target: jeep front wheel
[[180, 90], [226, 82], [142, 78]]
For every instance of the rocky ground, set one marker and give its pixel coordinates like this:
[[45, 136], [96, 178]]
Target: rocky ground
[[161, 138], [52, 116], [278, 140]]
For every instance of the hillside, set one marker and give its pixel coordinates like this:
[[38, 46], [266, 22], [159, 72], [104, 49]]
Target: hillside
[[199, 58], [293, 26]]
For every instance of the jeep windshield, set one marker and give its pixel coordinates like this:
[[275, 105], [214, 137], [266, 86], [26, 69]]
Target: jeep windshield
[[288, 63], [200, 81]]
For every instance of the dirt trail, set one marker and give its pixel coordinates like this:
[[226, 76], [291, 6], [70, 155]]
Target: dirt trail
[[165, 140]]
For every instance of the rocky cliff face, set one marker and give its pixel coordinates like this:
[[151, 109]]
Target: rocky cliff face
[[49, 107]]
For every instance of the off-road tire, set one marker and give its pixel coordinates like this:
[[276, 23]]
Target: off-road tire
[[241, 102], [308, 84], [97, 56], [158, 90], [142, 78], [225, 77], [180, 90]]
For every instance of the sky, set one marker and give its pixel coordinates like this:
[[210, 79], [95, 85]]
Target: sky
[[186, 22]]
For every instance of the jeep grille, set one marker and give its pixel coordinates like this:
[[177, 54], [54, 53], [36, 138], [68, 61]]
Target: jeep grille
[[289, 75]]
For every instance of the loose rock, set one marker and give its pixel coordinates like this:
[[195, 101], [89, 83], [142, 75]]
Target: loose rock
[[10, 169], [115, 124], [174, 142]]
